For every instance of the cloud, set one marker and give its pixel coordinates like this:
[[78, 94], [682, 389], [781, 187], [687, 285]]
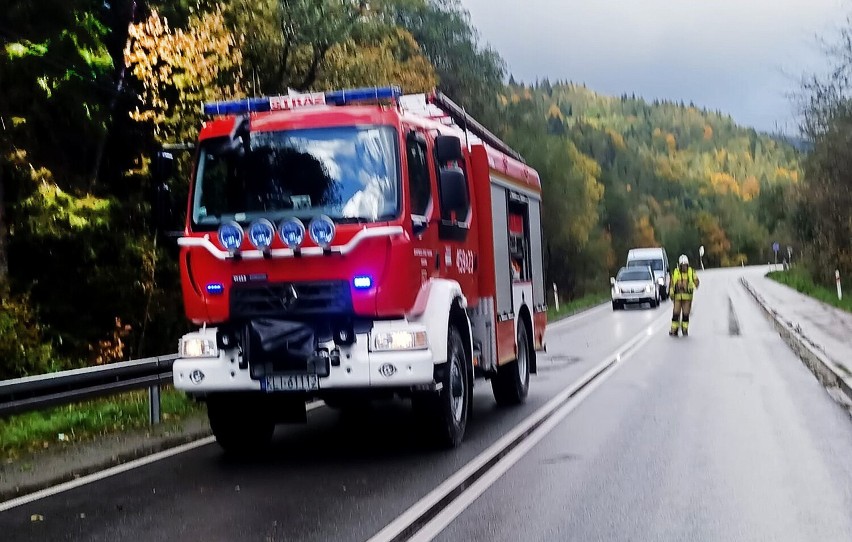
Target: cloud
[[740, 56]]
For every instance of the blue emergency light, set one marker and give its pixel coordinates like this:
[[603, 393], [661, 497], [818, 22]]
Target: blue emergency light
[[216, 288], [334, 97]]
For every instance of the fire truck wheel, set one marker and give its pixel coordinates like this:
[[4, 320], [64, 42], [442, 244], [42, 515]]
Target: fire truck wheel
[[237, 426], [512, 381], [446, 412]]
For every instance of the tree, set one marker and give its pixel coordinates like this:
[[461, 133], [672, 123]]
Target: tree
[[395, 58], [287, 42], [826, 196], [179, 69], [472, 75]]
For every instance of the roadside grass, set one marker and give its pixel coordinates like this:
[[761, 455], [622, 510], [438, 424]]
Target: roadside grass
[[576, 305], [64, 425], [799, 279]]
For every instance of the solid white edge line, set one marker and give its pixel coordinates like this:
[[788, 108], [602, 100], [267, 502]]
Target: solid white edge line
[[118, 469], [446, 516], [94, 477], [402, 522]]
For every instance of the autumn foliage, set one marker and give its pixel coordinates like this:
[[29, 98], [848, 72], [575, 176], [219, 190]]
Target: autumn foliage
[[92, 89]]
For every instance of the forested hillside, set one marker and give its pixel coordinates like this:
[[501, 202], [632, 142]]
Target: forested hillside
[[90, 89], [621, 172]]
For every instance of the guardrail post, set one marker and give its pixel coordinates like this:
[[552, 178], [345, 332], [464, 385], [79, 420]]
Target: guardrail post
[[154, 404]]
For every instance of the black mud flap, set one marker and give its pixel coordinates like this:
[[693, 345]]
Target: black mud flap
[[283, 346], [281, 337]]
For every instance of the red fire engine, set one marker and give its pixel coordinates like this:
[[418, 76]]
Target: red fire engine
[[352, 245]]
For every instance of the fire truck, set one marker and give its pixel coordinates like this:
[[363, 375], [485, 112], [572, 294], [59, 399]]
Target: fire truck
[[354, 245]]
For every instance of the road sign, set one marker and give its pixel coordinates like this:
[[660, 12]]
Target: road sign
[[776, 246]]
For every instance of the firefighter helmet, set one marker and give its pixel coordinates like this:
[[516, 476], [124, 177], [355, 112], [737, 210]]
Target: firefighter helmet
[[683, 260]]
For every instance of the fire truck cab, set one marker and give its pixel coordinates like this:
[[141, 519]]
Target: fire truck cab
[[353, 245]]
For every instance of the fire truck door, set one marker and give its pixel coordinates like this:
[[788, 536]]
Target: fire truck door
[[456, 232], [422, 205]]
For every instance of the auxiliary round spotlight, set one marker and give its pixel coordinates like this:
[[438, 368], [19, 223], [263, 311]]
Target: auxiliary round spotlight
[[292, 233], [231, 236], [261, 233], [322, 231]]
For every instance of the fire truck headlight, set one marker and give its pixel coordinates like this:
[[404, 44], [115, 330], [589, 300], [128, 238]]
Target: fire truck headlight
[[260, 233], [231, 236], [399, 340], [198, 347], [322, 231], [362, 282], [292, 233]]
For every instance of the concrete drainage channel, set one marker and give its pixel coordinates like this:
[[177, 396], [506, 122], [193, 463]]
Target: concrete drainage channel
[[809, 353]]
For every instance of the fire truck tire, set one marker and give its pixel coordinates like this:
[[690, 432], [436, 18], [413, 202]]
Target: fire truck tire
[[237, 426], [512, 381], [446, 412]]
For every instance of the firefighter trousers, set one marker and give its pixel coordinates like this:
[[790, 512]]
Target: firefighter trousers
[[681, 309]]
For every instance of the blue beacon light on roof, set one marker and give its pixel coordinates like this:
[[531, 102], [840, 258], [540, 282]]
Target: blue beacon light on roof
[[271, 103]]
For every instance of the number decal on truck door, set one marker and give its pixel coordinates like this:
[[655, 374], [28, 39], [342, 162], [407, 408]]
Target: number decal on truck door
[[465, 261]]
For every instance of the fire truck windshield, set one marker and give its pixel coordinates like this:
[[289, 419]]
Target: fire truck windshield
[[347, 173]]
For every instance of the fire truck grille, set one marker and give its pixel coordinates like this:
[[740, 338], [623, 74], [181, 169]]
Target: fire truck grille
[[291, 299]]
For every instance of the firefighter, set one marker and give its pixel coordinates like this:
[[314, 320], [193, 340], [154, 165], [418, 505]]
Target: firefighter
[[683, 285]]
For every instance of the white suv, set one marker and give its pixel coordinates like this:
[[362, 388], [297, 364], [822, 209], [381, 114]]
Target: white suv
[[634, 285], [658, 261]]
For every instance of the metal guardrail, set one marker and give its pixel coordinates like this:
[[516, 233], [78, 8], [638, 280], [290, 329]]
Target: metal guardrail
[[31, 393]]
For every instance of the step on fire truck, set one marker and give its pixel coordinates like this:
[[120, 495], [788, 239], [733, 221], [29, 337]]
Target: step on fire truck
[[355, 245]]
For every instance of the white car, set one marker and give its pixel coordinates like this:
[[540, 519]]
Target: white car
[[634, 285], [658, 261]]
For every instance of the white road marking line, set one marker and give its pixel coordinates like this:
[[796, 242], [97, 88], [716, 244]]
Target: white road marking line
[[446, 516], [118, 469], [433, 498], [94, 477]]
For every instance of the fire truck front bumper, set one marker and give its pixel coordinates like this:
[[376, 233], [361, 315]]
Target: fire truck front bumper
[[395, 354]]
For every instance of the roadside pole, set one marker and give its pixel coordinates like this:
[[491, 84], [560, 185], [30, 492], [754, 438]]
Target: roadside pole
[[837, 280], [555, 297]]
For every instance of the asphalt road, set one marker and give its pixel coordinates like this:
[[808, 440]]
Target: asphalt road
[[724, 435]]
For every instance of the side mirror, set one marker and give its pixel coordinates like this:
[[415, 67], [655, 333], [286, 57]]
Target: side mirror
[[448, 149], [454, 195], [612, 280]]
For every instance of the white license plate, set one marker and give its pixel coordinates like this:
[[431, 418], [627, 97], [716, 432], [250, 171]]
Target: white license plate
[[291, 383]]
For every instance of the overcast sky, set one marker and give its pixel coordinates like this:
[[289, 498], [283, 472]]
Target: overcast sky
[[739, 56]]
